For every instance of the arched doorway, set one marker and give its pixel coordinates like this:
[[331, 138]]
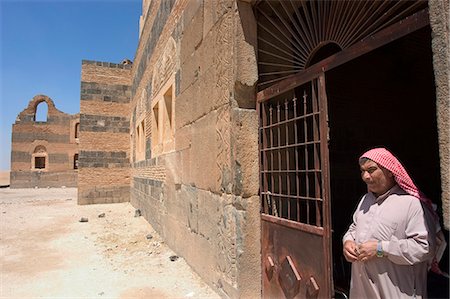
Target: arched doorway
[[371, 86]]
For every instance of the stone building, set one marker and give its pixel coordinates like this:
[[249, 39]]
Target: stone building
[[237, 129], [44, 153]]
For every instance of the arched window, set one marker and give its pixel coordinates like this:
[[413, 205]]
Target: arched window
[[39, 158], [75, 161], [77, 130], [41, 113]]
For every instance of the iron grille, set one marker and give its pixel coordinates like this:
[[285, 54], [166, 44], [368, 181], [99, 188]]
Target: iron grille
[[295, 34], [290, 157]]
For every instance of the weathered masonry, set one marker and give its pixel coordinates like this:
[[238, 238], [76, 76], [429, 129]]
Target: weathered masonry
[[238, 127], [104, 175], [45, 151]]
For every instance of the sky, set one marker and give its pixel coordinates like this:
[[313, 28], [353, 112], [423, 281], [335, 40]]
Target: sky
[[42, 44]]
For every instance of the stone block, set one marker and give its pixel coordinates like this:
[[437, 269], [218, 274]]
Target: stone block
[[245, 148], [205, 151], [193, 31]]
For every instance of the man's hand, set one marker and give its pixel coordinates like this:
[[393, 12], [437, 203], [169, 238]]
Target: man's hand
[[350, 251], [367, 250]]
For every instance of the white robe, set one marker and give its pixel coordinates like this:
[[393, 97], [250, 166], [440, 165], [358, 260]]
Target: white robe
[[399, 221]]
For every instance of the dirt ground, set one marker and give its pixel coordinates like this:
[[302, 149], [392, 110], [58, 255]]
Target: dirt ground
[[4, 178], [47, 252]]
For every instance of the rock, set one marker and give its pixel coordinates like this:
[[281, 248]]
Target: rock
[[173, 258], [84, 219], [149, 237], [137, 213], [102, 215]]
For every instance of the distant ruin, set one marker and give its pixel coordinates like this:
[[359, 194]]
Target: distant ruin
[[44, 152]]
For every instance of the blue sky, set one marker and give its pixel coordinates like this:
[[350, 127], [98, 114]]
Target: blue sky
[[42, 44]]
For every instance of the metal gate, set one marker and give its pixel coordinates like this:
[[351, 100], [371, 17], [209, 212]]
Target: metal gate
[[294, 192]]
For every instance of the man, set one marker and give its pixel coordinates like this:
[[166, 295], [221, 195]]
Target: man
[[391, 240]]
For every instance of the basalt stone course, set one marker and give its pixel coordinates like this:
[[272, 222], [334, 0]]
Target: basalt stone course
[[92, 91], [52, 138], [103, 159], [162, 14], [99, 123], [41, 179]]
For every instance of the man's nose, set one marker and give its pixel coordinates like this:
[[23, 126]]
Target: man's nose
[[365, 176]]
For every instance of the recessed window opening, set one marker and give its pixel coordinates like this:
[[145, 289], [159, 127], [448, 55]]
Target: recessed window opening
[[77, 130], [163, 120], [155, 125], [39, 162], [75, 161], [41, 113], [39, 158], [168, 99], [140, 141]]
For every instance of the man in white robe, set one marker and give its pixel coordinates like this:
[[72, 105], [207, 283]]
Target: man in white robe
[[391, 240]]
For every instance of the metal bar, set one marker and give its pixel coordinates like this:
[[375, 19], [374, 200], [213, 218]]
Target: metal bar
[[291, 171], [288, 178], [295, 225], [273, 210], [297, 180], [349, 16], [337, 16], [294, 197], [316, 125], [275, 64], [297, 118], [281, 50], [263, 166], [279, 30], [276, 148], [297, 28], [280, 178], [293, 34], [316, 24], [374, 27], [275, 55], [381, 38], [303, 25], [358, 27], [305, 123], [278, 73], [308, 21]]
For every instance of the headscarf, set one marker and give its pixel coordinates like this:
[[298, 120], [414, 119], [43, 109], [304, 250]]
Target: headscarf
[[387, 160]]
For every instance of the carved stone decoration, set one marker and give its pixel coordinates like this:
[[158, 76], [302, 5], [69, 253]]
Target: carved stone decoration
[[140, 106], [164, 66], [227, 245], [224, 76]]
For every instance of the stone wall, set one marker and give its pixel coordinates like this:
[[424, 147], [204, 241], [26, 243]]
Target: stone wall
[[53, 140], [440, 25], [198, 185], [104, 161]]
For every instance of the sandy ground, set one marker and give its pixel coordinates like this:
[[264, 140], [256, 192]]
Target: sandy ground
[[4, 178], [47, 252]]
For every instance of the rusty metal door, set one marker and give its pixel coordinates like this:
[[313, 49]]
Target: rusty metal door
[[294, 192]]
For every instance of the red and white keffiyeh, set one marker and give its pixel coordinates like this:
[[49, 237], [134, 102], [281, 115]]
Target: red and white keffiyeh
[[387, 160]]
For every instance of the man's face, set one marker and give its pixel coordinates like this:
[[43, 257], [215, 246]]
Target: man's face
[[378, 179]]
